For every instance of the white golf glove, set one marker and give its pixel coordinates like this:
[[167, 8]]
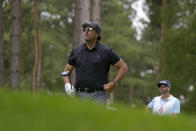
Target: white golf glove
[[69, 89]]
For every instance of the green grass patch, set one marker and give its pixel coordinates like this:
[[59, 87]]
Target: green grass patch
[[22, 111]]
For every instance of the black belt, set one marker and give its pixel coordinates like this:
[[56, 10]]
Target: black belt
[[89, 89]]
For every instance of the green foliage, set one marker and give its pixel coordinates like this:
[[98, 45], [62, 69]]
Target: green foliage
[[139, 85], [180, 60], [117, 33], [27, 45], [177, 50], [55, 38], [6, 34], [55, 41], [56, 33], [24, 111]]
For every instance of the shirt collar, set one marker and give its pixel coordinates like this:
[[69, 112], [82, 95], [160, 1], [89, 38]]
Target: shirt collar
[[94, 48], [169, 98]]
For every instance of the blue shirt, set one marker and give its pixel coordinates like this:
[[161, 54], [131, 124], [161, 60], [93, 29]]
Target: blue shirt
[[169, 106]]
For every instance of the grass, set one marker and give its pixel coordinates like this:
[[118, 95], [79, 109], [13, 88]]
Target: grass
[[22, 111]]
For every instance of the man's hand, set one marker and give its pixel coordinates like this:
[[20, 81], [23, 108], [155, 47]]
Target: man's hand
[[147, 108], [109, 87], [122, 70], [69, 89]]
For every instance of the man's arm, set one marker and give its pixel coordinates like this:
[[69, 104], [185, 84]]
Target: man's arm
[[147, 108], [122, 70], [70, 69], [176, 108], [150, 105], [68, 87]]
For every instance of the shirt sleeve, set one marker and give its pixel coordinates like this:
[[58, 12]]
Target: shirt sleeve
[[176, 108], [113, 57], [151, 104], [71, 59]]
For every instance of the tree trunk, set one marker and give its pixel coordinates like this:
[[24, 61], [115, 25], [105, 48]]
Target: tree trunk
[[82, 15], [96, 11], [1, 44], [163, 33], [15, 43], [37, 65]]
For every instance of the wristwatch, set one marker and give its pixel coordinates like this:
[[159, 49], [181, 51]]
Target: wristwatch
[[115, 83]]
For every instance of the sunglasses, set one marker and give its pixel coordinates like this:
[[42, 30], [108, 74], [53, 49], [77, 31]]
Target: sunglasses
[[163, 85], [88, 29]]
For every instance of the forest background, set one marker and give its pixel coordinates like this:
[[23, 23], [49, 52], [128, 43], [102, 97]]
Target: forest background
[[166, 49]]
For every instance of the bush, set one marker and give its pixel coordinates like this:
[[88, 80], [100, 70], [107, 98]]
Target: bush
[[23, 111]]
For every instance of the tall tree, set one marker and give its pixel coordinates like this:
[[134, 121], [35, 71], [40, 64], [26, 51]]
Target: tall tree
[[1, 44], [96, 11], [163, 33], [179, 60], [15, 42], [37, 65], [82, 15]]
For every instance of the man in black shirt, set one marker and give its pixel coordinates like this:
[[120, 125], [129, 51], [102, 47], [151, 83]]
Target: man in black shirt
[[92, 61]]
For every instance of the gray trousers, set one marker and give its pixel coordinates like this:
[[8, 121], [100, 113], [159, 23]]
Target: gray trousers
[[98, 96]]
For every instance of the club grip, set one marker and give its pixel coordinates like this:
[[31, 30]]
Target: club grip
[[65, 73]]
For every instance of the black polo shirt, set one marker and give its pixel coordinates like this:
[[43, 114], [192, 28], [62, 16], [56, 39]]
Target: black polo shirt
[[92, 66]]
